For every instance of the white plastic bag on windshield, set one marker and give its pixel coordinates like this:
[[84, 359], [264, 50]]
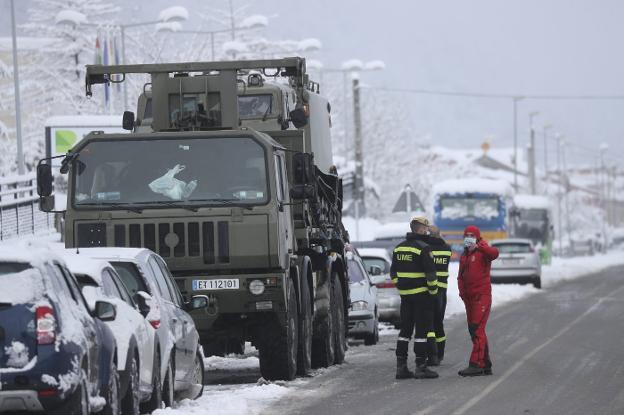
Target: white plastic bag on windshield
[[171, 187]]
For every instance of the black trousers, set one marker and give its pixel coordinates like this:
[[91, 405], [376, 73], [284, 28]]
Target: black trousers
[[417, 315], [438, 321]]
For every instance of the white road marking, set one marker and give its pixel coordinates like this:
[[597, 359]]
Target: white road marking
[[472, 402]]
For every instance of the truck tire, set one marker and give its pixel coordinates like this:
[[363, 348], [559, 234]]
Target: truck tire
[[278, 350], [340, 334], [304, 353], [323, 339]]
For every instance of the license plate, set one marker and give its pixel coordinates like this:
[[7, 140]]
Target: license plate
[[216, 284], [511, 261]]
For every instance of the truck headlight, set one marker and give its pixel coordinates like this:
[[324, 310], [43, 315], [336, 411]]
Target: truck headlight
[[256, 287], [359, 305]]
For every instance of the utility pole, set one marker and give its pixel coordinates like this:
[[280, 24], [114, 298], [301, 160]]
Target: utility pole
[[18, 112], [532, 158], [359, 162], [567, 195], [604, 192], [546, 127], [559, 196]]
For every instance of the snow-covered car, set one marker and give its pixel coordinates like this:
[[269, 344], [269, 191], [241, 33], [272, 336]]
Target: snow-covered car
[[134, 334], [388, 298], [56, 355], [363, 313], [143, 270], [518, 262]]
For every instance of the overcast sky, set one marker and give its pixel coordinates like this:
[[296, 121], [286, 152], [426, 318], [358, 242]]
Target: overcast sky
[[565, 47]]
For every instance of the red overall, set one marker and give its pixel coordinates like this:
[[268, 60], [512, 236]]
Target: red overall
[[475, 290]]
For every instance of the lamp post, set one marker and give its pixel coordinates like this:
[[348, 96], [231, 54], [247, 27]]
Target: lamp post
[[168, 20], [18, 113], [515, 138]]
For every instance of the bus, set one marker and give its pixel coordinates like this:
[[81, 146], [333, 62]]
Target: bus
[[479, 202]]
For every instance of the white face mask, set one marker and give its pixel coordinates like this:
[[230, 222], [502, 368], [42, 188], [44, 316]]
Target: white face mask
[[469, 241]]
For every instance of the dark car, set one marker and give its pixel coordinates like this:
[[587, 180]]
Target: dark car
[[54, 355]]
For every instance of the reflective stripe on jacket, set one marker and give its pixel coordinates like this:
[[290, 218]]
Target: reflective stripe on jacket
[[413, 270]]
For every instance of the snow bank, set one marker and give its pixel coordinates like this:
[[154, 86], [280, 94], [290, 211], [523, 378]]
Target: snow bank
[[231, 362], [228, 400]]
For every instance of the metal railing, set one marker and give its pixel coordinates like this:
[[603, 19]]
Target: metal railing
[[19, 208]]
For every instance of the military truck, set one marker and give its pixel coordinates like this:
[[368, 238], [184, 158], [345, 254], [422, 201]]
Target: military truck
[[228, 175]]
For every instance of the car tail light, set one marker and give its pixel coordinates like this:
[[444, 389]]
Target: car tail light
[[387, 284], [155, 323], [46, 393], [46, 325]]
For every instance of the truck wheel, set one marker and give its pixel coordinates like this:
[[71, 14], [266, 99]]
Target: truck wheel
[[278, 350], [340, 335], [304, 354], [323, 339]]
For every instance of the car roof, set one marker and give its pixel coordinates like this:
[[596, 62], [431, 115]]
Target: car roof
[[511, 241], [117, 254], [82, 264], [35, 256], [374, 252]]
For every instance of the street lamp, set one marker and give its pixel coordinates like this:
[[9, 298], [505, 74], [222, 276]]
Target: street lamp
[[168, 20]]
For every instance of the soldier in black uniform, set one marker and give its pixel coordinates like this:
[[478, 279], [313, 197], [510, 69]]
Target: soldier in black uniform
[[441, 257], [413, 272]]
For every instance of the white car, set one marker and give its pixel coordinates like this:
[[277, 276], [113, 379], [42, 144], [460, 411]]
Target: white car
[[178, 345], [363, 313], [518, 262], [388, 298], [134, 334]]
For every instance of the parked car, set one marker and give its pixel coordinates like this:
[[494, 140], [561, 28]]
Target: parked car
[[178, 345], [363, 313], [388, 298], [134, 334], [518, 262], [56, 354]]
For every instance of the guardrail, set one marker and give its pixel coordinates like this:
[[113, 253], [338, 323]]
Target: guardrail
[[19, 208]]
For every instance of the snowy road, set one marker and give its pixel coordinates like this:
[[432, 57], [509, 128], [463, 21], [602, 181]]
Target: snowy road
[[560, 351]]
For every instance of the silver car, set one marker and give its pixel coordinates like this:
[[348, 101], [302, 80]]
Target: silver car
[[363, 313], [518, 262], [388, 298]]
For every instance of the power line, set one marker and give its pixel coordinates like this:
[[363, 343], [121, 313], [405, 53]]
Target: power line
[[497, 96]]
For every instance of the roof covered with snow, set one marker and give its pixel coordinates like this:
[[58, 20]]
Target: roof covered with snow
[[473, 185], [374, 252], [531, 201], [82, 264]]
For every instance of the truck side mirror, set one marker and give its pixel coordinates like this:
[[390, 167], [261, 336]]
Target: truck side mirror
[[44, 180], [298, 117], [128, 120], [47, 203]]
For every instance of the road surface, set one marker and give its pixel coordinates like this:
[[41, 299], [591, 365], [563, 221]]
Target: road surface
[[560, 351]]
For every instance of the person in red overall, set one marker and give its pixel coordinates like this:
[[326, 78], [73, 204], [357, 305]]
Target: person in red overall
[[475, 289]]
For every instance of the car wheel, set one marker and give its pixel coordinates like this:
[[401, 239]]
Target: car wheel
[[156, 399], [372, 338], [198, 373], [168, 384], [537, 282], [278, 348], [130, 405], [112, 399], [340, 335], [82, 393], [304, 354]]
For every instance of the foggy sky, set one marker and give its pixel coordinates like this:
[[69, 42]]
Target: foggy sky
[[485, 46]]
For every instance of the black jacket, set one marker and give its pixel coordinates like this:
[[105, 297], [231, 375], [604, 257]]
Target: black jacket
[[413, 270], [441, 257]]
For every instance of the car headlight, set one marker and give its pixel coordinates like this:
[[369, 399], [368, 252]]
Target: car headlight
[[256, 287], [359, 305]]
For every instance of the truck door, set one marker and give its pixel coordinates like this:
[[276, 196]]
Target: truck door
[[284, 214]]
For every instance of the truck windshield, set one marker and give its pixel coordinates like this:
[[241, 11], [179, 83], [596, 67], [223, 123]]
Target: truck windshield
[[169, 171]]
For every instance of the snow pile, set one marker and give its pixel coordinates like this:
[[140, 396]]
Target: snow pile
[[72, 17], [231, 362], [228, 400], [173, 14], [254, 21], [17, 355]]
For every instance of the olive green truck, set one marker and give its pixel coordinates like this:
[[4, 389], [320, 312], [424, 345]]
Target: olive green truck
[[227, 174]]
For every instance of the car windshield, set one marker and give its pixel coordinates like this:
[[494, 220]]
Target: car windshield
[[514, 248], [130, 276], [355, 272], [378, 262], [189, 171], [469, 207], [255, 106]]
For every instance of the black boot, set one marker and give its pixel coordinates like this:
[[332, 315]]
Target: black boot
[[472, 370], [423, 372], [402, 370], [433, 361]]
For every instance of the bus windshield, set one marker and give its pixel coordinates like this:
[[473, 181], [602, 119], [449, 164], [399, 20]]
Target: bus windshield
[[462, 207], [168, 170]]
